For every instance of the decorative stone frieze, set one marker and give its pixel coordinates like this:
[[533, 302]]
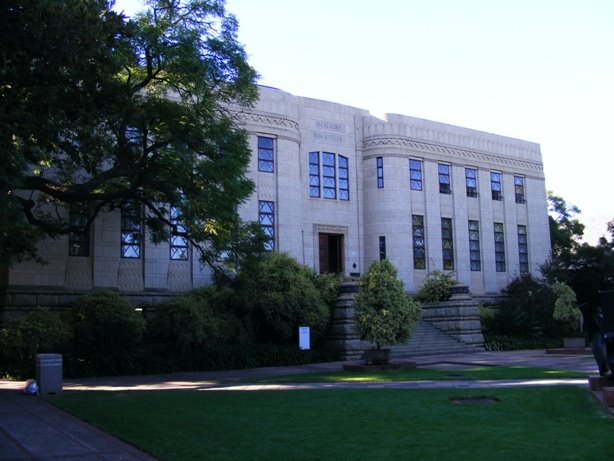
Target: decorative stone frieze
[[456, 152]]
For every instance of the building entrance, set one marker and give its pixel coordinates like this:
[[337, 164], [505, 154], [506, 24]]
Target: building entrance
[[331, 253]]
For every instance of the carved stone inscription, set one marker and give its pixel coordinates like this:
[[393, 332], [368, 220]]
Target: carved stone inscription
[[328, 229], [325, 134], [331, 126]]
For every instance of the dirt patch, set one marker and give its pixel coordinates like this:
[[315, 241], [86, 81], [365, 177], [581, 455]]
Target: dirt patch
[[474, 399]]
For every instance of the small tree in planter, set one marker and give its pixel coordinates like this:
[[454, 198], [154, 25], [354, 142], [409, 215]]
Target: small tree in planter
[[383, 314], [566, 310]]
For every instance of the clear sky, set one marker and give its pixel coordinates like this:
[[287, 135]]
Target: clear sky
[[538, 70]]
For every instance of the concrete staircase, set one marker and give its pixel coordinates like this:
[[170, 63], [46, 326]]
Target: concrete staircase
[[430, 340]]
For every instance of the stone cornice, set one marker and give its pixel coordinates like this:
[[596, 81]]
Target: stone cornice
[[266, 119], [456, 152]]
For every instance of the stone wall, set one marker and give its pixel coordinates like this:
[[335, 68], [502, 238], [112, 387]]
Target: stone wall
[[459, 318], [16, 302]]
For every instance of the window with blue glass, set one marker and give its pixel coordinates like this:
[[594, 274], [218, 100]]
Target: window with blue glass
[[314, 174], [178, 240], [79, 236], [499, 247], [415, 174], [266, 218], [447, 244], [495, 185], [382, 247], [131, 230], [344, 180], [444, 178], [519, 189], [419, 244], [329, 176], [379, 161], [523, 249], [475, 260], [471, 181], [266, 154]]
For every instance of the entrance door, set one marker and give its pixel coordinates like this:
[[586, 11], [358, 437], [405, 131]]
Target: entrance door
[[331, 253]]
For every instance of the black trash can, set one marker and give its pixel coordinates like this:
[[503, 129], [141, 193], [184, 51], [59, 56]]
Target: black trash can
[[49, 373]]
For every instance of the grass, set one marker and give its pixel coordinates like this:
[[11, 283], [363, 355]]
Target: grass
[[425, 374], [539, 423]]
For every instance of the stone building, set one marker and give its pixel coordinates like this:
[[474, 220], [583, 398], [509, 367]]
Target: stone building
[[337, 188]]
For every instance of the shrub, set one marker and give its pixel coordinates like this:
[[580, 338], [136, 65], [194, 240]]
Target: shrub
[[38, 332], [437, 287], [179, 321], [203, 316], [107, 331], [383, 313], [535, 300], [280, 295], [565, 306], [512, 343], [328, 285]]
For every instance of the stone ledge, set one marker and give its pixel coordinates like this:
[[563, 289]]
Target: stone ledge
[[598, 383], [608, 396], [570, 351]]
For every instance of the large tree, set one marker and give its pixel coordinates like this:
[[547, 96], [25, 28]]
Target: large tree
[[98, 110], [566, 230], [587, 269]]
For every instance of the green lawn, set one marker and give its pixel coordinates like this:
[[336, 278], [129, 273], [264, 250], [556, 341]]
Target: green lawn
[[541, 423], [427, 374]]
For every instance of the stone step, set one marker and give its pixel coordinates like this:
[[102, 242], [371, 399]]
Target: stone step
[[429, 340]]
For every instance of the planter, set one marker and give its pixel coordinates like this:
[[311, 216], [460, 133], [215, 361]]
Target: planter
[[376, 356], [574, 343]]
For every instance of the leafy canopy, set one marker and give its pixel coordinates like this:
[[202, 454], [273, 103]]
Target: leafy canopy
[[97, 109]]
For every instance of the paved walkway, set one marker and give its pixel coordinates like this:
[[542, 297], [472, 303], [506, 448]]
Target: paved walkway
[[32, 429]]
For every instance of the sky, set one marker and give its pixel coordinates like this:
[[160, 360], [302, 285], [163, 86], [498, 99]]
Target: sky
[[537, 70]]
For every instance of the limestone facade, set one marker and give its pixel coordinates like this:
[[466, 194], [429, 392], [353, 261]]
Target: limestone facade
[[338, 188]]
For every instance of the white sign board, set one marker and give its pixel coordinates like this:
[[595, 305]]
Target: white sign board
[[303, 338]]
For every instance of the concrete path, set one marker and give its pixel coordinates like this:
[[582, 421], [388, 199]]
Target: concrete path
[[32, 429]]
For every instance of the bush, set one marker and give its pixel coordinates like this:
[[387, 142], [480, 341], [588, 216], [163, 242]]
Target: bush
[[383, 313], [328, 285], [179, 321], [108, 331], [39, 332], [510, 321], [512, 343], [437, 287], [532, 299], [565, 306], [203, 316], [279, 296]]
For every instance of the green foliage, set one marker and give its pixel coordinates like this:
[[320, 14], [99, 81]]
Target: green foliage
[[565, 306], [108, 331], [279, 295], [179, 321], [585, 268], [203, 316], [122, 109], [532, 309], [565, 228], [328, 285], [531, 301], [39, 332], [437, 287], [502, 342], [383, 313]]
